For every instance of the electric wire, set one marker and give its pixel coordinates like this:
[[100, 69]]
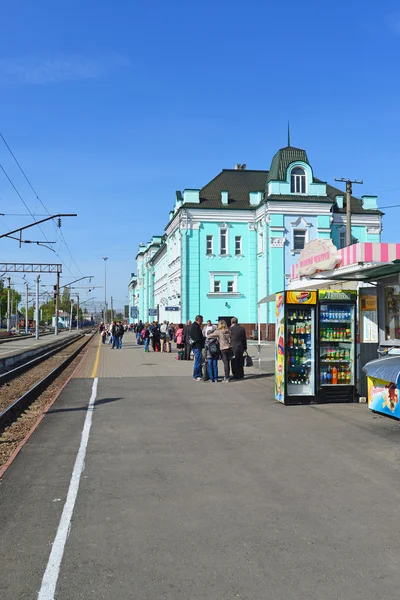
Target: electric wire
[[39, 199], [33, 217]]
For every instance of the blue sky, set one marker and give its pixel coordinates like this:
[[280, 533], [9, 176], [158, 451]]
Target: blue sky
[[111, 107]]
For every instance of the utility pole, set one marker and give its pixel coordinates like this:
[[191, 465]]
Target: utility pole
[[77, 312], [112, 309], [8, 305], [27, 308], [37, 308], [349, 191]]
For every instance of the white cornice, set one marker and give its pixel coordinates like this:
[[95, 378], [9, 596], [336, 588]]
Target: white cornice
[[340, 219], [298, 208]]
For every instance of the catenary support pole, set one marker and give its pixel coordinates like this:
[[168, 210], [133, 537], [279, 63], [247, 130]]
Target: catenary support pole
[[57, 303], [37, 308], [70, 318], [27, 308], [77, 312], [8, 305]]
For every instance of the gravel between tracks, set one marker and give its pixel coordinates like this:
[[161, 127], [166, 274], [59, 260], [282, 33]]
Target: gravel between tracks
[[17, 431]]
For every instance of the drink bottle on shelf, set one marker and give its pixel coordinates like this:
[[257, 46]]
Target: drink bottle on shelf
[[334, 376]]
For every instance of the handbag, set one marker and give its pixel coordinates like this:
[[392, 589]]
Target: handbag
[[248, 361]]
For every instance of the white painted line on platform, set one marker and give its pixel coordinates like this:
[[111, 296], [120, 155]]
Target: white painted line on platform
[[50, 577]]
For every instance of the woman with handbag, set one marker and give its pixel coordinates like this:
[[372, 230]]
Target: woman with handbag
[[224, 336]]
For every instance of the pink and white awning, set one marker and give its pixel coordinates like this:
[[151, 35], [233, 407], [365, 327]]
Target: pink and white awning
[[364, 252]]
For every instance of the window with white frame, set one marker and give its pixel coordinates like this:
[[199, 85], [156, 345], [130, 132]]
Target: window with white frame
[[209, 245], [298, 181], [238, 244], [299, 239], [342, 239], [217, 286], [230, 287], [260, 245], [223, 241]]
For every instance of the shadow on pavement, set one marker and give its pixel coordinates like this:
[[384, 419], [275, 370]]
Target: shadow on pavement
[[97, 403]]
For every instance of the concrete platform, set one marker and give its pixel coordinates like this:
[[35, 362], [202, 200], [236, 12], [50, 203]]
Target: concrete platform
[[194, 491], [22, 349]]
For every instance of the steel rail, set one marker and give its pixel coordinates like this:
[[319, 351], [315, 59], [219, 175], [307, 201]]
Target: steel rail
[[12, 412], [17, 371]]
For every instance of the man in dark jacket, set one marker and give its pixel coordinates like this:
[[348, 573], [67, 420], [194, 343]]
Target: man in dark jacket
[[239, 346], [185, 340], [196, 335]]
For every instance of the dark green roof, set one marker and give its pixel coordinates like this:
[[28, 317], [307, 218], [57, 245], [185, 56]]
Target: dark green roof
[[282, 159], [238, 183], [355, 203]]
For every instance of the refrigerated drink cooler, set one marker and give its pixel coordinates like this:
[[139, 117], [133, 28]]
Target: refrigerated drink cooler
[[315, 347], [295, 347], [336, 345]]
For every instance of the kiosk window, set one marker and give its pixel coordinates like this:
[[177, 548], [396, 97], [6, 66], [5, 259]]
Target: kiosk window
[[392, 312]]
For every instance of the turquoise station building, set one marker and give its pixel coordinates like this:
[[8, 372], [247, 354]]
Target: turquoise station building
[[232, 242]]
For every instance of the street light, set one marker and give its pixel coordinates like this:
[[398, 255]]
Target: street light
[[105, 258]]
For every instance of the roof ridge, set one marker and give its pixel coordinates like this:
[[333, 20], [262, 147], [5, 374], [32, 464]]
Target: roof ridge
[[247, 170]]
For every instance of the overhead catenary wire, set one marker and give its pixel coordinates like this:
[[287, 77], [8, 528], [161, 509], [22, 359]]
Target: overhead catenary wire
[[31, 214], [41, 202]]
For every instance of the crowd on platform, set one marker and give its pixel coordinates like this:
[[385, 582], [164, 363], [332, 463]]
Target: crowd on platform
[[208, 343], [113, 333]]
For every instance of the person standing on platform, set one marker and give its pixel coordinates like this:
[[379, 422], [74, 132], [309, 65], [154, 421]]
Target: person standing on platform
[[239, 347], [121, 334], [113, 329], [197, 343], [145, 336], [164, 336], [155, 340], [225, 343], [185, 340]]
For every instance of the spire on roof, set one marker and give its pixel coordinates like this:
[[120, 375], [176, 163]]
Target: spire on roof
[[288, 134]]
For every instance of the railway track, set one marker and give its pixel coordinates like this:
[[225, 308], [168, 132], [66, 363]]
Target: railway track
[[21, 386]]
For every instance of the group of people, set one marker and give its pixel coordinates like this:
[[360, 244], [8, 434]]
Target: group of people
[[208, 343], [159, 336], [113, 333]]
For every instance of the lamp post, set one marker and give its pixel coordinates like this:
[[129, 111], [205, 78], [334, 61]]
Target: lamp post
[[105, 258]]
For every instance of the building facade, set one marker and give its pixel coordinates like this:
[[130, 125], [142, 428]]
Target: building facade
[[234, 241]]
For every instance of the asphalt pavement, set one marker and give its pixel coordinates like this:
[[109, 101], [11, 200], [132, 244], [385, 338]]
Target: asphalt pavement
[[195, 490]]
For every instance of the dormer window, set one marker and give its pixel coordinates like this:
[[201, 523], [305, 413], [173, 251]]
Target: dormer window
[[298, 181]]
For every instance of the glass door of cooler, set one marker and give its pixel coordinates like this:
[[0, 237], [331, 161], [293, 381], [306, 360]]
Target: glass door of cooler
[[300, 323], [337, 344]]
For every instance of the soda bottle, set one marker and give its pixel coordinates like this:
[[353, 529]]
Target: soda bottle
[[290, 340], [329, 376], [348, 375], [334, 376]]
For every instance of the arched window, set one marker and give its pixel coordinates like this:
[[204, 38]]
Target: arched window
[[298, 181]]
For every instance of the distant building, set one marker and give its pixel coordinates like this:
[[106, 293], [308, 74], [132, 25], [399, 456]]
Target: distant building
[[233, 242]]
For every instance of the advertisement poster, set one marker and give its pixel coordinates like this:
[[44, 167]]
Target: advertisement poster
[[301, 297], [383, 397], [280, 348], [369, 320], [337, 294]]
